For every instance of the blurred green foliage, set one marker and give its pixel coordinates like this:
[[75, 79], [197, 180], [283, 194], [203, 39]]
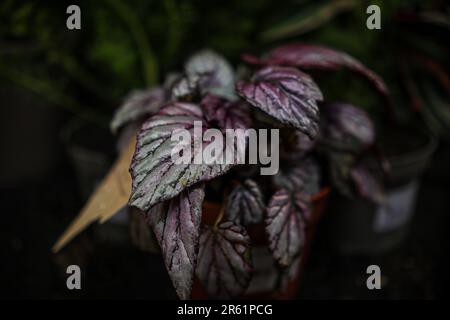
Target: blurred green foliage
[[125, 45]]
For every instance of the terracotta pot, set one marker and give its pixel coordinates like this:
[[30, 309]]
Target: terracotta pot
[[259, 242]]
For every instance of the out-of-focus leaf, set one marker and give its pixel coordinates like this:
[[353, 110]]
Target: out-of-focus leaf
[[303, 176], [437, 110], [295, 145], [351, 177], [227, 114], [429, 96], [340, 164], [286, 94], [303, 143], [177, 232], [348, 127], [245, 204], [290, 273], [440, 19], [170, 80], [137, 105], [308, 56], [224, 261], [366, 184], [184, 88], [434, 18], [413, 43], [211, 73], [308, 19], [287, 215], [156, 177]]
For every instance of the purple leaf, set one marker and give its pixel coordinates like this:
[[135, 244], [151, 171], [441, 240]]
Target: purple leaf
[[351, 177], [304, 144], [137, 105], [245, 204], [183, 87], [290, 273], [224, 261], [286, 94], [177, 232], [366, 184], [307, 56], [155, 175], [295, 145], [303, 176], [215, 73], [348, 127], [206, 72], [287, 215], [227, 115]]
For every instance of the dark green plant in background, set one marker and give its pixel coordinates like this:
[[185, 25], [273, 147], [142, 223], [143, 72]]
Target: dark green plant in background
[[131, 44], [122, 45], [410, 52]]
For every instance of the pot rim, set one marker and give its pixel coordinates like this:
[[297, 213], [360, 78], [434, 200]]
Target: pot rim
[[421, 153]]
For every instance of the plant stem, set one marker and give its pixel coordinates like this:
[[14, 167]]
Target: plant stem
[[219, 217], [222, 208]]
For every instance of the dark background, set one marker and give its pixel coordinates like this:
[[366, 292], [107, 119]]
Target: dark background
[[59, 89]]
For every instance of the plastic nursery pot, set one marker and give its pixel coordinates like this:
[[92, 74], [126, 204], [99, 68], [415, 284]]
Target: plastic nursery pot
[[263, 283], [359, 227]]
